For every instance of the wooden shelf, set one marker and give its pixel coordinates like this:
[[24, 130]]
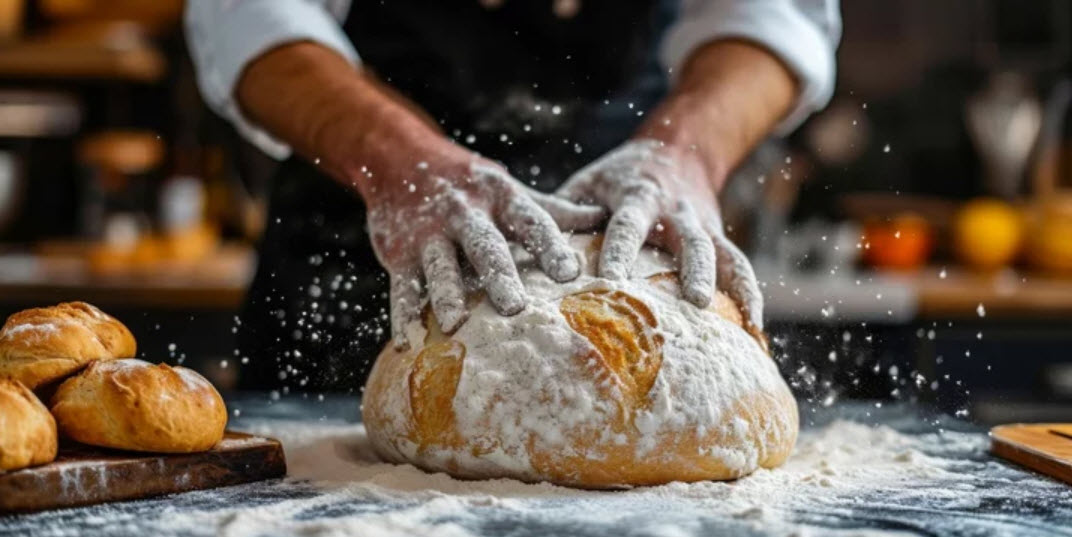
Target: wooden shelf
[[216, 283], [889, 297], [1008, 294], [101, 51]]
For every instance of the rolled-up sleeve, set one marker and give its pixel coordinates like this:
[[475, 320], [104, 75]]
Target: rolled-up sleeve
[[803, 34], [224, 36]]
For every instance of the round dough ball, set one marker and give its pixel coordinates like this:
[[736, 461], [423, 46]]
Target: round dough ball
[[44, 345], [596, 384], [27, 430], [134, 405]]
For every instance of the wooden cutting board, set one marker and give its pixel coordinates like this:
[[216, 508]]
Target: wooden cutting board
[[83, 475], [1043, 447]]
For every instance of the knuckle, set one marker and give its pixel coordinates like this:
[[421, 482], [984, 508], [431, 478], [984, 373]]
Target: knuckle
[[683, 207], [629, 216], [643, 192], [495, 179], [451, 202]]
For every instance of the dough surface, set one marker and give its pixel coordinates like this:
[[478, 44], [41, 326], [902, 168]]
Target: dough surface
[[41, 346], [134, 405], [27, 430], [595, 384]]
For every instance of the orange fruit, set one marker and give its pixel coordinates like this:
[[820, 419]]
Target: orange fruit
[[902, 242], [987, 234], [1049, 241]]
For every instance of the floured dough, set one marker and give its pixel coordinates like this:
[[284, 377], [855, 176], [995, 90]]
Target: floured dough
[[597, 383]]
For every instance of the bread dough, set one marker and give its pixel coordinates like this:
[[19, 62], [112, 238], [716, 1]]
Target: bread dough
[[596, 383], [40, 346], [27, 430], [134, 405]]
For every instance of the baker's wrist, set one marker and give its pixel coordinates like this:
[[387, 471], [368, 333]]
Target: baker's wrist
[[390, 148], [690, 129]]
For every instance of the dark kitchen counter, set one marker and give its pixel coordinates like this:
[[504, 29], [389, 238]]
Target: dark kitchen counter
[[973, 494]]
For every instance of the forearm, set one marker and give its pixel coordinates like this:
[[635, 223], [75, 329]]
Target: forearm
[[333, 114], [728, 98]]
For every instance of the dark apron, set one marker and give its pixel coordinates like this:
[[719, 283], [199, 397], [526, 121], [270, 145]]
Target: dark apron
[[540, 94]]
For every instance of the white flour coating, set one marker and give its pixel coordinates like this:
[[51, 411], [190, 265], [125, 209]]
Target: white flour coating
[[192, 379], [737, 278], [33, 331], [628, 181], [97, 313], [446, 292], [522, 387], [528, 223], [193, 384], [478, 211], [831, 465], [650, 185]]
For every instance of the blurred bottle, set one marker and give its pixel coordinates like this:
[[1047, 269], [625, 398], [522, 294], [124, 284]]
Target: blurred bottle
[[1003, 120], [186, 235]]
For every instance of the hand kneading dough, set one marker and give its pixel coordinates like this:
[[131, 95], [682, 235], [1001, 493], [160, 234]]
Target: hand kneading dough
[[42, 345], [27, 430], [134, 405], [596, 383]]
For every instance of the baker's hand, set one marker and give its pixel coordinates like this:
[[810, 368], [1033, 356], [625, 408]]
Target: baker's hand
[[453, 198], [659, 194]]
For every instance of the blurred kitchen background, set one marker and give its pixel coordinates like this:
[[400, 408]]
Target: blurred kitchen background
[[914, 240]]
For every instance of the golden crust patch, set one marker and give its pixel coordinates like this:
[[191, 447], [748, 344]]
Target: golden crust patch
[[433, 381], [621, 328]]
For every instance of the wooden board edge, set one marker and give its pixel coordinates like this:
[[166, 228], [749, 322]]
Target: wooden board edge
[[205, 470], [1031, 459]]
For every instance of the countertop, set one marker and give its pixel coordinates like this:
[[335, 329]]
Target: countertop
[[972, 494]]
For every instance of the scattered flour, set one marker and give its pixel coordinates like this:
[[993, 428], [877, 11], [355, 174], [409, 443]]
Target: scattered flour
[[844, 479], [843, 460]]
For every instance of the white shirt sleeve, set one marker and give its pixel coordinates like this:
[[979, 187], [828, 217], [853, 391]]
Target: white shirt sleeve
[[224, 36], [802, 33]]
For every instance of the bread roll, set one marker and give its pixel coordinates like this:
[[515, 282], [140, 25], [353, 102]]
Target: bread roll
[[134, 405], [596, 384], [43, 345], [27, 430]]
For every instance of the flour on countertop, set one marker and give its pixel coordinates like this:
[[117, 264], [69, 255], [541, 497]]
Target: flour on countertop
[[843, 459], [844, 479], [522, 387]]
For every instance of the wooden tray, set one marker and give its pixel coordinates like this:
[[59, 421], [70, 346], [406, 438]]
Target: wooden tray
[[1043, 447], [83, 475]]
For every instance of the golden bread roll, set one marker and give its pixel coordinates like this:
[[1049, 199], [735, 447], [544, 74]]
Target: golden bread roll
[[595, 384], [27, 430], [134, 405], [43, 345]]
